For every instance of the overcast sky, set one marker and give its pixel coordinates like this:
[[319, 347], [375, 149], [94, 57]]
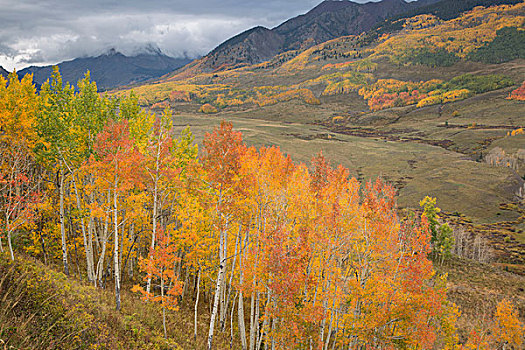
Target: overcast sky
[[41, 32]]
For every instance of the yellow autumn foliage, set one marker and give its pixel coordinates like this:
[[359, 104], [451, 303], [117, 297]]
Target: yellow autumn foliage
[[461, 35], [429, 101], [208, 109], [456, 95], [421, 22]]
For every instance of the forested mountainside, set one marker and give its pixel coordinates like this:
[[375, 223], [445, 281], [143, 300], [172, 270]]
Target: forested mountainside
[[449, 9], [386, 71], [328, 20]]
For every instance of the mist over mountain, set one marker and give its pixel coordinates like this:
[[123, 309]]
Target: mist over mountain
[[328, 20], [112, 69]]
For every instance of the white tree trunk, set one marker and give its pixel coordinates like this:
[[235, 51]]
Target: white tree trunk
[[327, 342], [265, 324], [253, 306], [100, 265], [163, 306], [116, 252], [91, 250], [87, 248], [218, 289], [274, 321], [10, 245], [252, 316], [132, 248], [336, 328], [231, 321], [197, 303], [237, 239], [153, 233], [257, 313], [155, 210], [63, 223]]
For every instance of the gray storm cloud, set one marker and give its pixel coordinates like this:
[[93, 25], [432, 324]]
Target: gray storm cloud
[[39, 32]]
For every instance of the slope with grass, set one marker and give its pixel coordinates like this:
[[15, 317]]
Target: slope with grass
[[43, 309]]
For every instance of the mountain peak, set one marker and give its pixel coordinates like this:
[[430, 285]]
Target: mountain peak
[[112, 52], [149, 49], [4, 73], [392, 2], [330, 6]]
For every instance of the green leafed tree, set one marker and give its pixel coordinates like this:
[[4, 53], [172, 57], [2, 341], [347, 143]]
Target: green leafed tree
[[442, 234], [58, 148]]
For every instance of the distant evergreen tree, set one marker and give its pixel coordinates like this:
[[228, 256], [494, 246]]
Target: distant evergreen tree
[[424, 56], [442, 234], [508, 45], [445, 9], [450, 9], [478, 83]]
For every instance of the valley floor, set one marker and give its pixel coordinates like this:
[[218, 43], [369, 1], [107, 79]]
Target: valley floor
[[437, 151]]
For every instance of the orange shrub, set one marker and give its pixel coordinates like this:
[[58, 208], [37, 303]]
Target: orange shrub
[[338, 119], [518, 94], [160, 105], [386, 93], [208, 109]]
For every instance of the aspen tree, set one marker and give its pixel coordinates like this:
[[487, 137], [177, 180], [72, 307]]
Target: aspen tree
[[223, 149]]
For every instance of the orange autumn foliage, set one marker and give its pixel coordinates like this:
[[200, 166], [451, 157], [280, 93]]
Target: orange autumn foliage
[[386, 93], [314, 241], [208, 109], [161, 265], [320, 259], [507, 328], [518, 94], [160, 105], [504, 332]]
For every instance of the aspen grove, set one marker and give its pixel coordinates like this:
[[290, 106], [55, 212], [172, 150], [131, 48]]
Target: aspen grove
[[286, 255]]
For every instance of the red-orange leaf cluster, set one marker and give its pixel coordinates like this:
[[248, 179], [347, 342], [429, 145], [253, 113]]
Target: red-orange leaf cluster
[[518, 94]]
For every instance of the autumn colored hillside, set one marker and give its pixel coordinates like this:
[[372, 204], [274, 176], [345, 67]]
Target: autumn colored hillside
[[419, 94], [311, 254], [348, 64], [364, 193]]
